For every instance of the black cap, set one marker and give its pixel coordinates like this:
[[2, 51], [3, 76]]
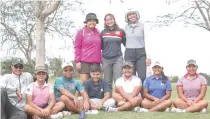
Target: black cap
[[91, 16], [17, 61]]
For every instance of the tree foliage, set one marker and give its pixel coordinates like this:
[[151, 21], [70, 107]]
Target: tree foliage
[[195, 12]]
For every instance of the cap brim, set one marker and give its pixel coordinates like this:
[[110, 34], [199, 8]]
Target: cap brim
[[41, 71], [85, 22], [192, 64], [17, 63], [157, 65], [128, 65], [67, 66]]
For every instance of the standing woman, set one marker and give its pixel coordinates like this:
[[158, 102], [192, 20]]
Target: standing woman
[[112, 37], [87, 47], [191, 91], [156, 90], [135, 44]]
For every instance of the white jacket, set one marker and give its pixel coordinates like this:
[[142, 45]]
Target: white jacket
[[12, 83]]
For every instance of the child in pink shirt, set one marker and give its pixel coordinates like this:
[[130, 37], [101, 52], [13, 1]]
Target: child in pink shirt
[[41, 98], [191, 91]]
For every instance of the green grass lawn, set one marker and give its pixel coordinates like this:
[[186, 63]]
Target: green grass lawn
[[150, 115]]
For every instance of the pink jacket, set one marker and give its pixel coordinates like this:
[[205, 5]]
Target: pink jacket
[[87, 46]]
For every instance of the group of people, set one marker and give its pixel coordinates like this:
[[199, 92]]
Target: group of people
[[24, 96]]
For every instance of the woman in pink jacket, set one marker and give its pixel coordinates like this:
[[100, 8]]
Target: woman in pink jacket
[[87, 46]]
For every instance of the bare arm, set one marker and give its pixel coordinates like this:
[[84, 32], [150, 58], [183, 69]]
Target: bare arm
[[66, 93], [136, 91], [30, 102], [167, 96], [181, 93], [106, 96], [84, 95], [52, 101], [120, 90], [147, 95], [202, 93]]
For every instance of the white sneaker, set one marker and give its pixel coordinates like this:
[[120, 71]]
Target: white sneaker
[[173, 109], [91, 112], [58, 115], [180, 110], [136, 109], [167, 110], [111, 109], [204, 110]]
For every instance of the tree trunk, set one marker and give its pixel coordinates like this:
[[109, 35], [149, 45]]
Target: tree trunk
[[40, 42]]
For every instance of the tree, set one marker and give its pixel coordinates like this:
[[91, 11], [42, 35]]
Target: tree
[[18, 23], [55, 66], [207, 77], [196, 12], [42, 10], [174, 79]]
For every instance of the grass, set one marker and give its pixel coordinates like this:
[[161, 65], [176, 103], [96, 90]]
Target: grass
[[151, 115]]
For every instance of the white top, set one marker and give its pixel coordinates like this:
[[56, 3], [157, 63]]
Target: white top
[[128, 85], [12, 83]]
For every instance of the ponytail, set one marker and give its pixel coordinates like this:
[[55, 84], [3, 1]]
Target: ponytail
[[164, 77]]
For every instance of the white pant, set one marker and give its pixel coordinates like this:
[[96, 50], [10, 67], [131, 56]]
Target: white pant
[[109, 102]]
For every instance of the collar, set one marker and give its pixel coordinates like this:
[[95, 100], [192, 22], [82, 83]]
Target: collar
[[36, 84], [99, 82], [154, 78], [14, 75], [88, 30], [186, 76], [66, 79], [127, 79], [134, 25]]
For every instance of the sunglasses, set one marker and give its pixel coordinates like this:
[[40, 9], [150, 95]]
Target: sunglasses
[[18, 66]]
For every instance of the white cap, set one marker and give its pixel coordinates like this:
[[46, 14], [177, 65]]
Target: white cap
[[157, 63], [65, 64]]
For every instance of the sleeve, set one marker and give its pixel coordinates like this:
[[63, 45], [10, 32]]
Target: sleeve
[[77, 45], [30, 78], [124, 38], [86, 86], [137, 81], [3, 81], [118, 82], [102, 41], [29, 89], [168, 85], [180, 82], [146, 84], [50, 88], [105, 87], [58, 84], [203, 81], [79, 86]]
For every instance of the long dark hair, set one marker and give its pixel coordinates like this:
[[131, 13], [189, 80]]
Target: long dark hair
[[164, 77], [115, 24]]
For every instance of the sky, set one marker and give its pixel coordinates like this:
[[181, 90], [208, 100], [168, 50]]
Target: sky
[[172, 45]]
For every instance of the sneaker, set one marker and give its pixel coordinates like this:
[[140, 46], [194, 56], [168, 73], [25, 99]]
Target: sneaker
[[104, 108], [139, 109], [167, 110], [204, 110], [180, 110], [58, 115], [66, 113], [136, 109], [111, 109], [173, 109], [91, 112]]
